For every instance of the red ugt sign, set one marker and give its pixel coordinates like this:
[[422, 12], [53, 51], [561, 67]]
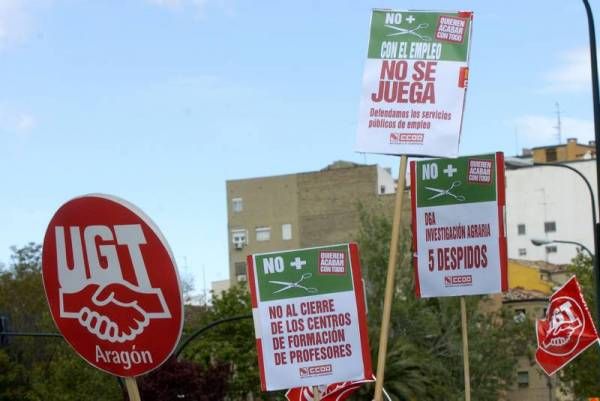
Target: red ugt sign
[[567, 331], [112, 285]]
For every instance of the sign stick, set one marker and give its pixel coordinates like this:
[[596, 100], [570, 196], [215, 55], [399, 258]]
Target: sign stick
[[132, 389], [463, 314], [316, 394], [390, 281]]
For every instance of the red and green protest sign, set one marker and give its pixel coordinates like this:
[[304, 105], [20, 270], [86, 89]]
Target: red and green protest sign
[[414, 83], [458, 225], [309, 316]]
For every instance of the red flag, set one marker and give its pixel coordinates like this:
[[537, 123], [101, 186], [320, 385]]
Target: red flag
[[567, 331], [331, 392]]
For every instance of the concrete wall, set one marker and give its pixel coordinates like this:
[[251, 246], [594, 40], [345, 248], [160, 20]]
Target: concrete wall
[[538, 194]]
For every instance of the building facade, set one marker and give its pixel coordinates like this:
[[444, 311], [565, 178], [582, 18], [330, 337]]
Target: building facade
[[531, 284], [300, 210], [572, 150], [549, 203]]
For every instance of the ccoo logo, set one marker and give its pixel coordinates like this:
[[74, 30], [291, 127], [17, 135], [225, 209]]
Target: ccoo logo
[[112, 285], [317, 370]]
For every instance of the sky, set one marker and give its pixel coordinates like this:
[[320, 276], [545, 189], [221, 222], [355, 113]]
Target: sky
[[159, 102]]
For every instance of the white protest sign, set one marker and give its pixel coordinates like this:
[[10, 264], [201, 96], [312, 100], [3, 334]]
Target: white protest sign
[[458, 225], [414, 83], [309, 317]]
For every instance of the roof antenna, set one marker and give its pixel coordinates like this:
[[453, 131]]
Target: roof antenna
[[558, 124]]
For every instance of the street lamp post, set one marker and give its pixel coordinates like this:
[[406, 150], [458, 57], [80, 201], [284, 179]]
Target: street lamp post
[[540, 242], [596, 103]]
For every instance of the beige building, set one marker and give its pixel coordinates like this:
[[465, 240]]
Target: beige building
[[531, 284], [572, 150], [300, 210], [219, 287]]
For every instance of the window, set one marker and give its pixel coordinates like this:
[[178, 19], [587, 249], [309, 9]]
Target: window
[[523, 379], [239, 238], [263, 233], [237, 204], [551, 249], [286, 232], [521, 229], [522, 252], [550, 226], [520, 315], [551, 155], [240, 268], [382, 189]]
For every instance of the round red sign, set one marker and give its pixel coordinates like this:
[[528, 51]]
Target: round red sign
[[112, 285]]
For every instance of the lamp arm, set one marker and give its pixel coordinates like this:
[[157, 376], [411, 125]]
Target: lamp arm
[[585, 248]]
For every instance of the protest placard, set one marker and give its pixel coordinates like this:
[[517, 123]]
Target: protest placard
[[309, 316], [458, 225], [414, 83]]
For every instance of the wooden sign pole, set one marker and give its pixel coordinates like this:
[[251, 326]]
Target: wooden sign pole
[[132, 389], [390, 281], [463, 313], [316, 393]]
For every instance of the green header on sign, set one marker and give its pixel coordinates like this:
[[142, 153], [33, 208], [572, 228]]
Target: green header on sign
[[303, 272], [419, 35], [456, 181]]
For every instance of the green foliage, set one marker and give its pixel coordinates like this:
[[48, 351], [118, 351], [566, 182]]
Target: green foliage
[[578, 377], [496, 340], [22, 300], [13, 385], [424, 358], [41, 368], [67, 377]]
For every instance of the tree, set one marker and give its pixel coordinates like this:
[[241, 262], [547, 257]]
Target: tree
[[13, 385], [22, 294], [41, 368], [67, 377], [424, 357], [578, 377], [22, 301]]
